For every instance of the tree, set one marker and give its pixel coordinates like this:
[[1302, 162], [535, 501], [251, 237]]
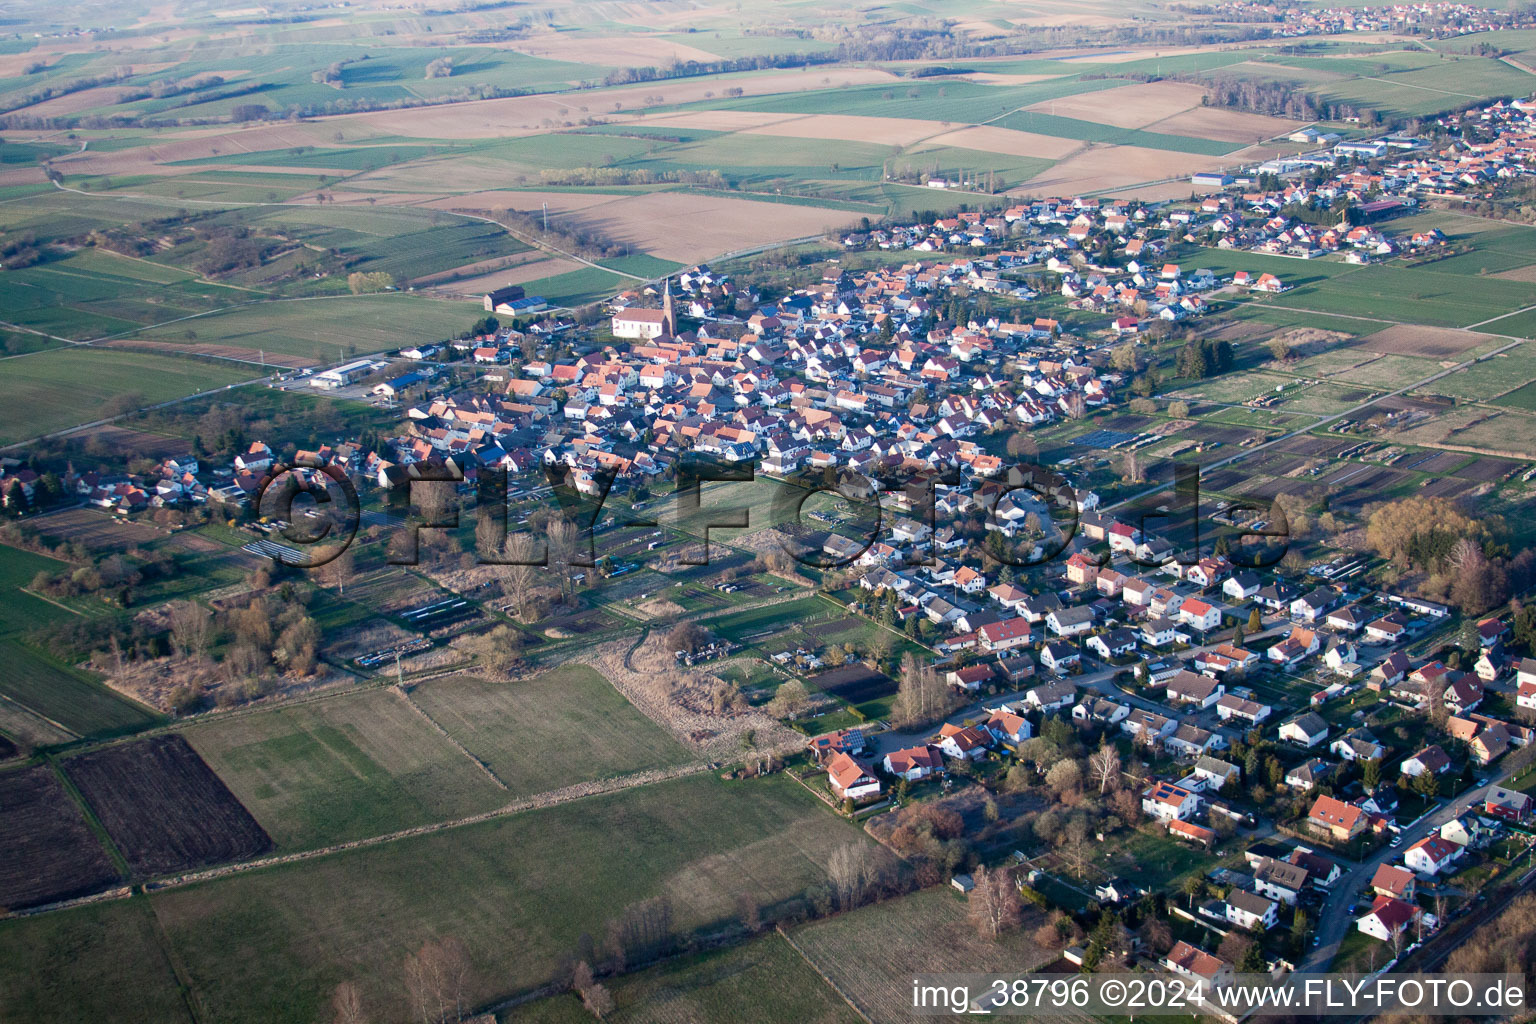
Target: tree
[[562, 553], [1179, 410], [499, 652], [519, 577], [790, 700], [339, 571], [435, 979], [594, 996], [191, 629], [642, 932], [1104, 766], [1252, 960], [1426, 784], [1299, 927], [347, 1005], [993, 904], [1255, 620], [1193, 886], [1370, 774], [1073, 844], [688, 637], [922, 697], [1065, 776], [853, 872]]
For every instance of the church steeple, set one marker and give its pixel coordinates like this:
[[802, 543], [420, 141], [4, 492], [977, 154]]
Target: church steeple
[[668, 316]]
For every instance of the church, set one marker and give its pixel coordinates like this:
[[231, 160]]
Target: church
[[647, 324]]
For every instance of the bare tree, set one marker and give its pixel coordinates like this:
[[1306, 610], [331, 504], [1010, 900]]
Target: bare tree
[[642, 932], [562, 553], [435, 978], [594, 996], [519, 581], [853, 872], [994, 902], [191, 629], [1104, 766], [339, 571], [923, 697], [1073, 843], [347, 1005]]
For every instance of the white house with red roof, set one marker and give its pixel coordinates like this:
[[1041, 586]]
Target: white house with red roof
[[1431, 855], [1167, 802], [1387, 918], [850, 780], [913, 763]]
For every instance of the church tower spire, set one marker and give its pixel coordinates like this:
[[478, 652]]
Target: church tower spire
[[668, 316]]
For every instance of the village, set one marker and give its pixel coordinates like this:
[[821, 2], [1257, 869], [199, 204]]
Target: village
[[1348, 760]]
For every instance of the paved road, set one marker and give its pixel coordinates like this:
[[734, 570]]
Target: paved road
[[1336, 921]]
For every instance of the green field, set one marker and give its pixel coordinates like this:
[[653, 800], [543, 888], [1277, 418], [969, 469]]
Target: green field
[[366, 763], [568, 725], [94, 293], [270, 946], [764, 979], [51, 390], [329, 329], [105, 961], [63, 695], [342, 768], [21, 611]]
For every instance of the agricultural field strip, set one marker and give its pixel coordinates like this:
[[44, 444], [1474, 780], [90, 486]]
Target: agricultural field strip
[[552, 798], [535, 243]]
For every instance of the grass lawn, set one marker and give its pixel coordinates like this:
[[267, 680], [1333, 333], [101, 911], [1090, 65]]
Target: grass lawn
[[1157, 860], [48, 391], [568, 725], [105, 964], [761, 980], [270, 946], [342, 768]]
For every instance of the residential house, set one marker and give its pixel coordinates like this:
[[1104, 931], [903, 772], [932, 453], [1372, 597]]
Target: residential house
[[1308, 774], [963, 743], [1387, 918], [1166, 801], [1431, 855], [1430, 759], [1189, 688], [1336, 819], [1394, 881], [1307, 730], [914, 763], [850, 780], [1251, 911]]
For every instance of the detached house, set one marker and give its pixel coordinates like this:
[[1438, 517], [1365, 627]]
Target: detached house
[[1167, 802], [849, 779], [1387, 918], [1336, 819], [1307, 730], [1430, 855]]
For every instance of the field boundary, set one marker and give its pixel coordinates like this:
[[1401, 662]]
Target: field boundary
[[400, 692], [822, 975]]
